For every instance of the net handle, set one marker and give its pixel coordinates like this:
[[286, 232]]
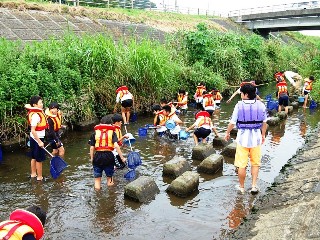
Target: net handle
[[125, 127]]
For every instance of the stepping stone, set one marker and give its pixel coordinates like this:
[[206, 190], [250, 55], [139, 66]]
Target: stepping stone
[[184, 185], [201, 151], [175, 167], [211, 164]]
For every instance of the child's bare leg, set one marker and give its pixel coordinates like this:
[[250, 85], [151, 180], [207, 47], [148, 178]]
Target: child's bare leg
[[195, 139], [204, 140], [128, 114], [110, 181], [33, 168], [55, 152], [123, 113], [61, 151], [39, 170], [305, 101], [97, 183]]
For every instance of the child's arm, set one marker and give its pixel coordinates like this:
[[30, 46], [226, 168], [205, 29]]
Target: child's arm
[[116, 146], [229, 128], [91, 153], [191, 127], [215, 131], [232, 96], [178, 121]]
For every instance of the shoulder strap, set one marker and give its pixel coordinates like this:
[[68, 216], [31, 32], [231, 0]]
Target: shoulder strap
[[12, 230]]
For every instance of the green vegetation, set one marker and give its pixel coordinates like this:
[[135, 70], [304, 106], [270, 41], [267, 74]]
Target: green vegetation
[[83, 73]]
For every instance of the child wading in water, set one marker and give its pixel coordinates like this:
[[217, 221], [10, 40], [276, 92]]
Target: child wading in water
[[250, 117], [38, 123], [127, 101], [102, 142], [204, 127]]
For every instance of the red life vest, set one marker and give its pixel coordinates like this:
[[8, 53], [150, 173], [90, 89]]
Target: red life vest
[[309, 85], [123, 90], [200, 90], [202, 114], [119, 134], [57, 119], [208, 100], [205, 121], [282, 87], [183, 99], [42, 125], [103, 137], [218, 96]]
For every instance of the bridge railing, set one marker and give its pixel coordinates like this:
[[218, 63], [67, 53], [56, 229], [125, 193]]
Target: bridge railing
[[275, 8]]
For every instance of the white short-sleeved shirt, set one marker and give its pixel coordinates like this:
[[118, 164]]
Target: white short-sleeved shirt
[[248, 137], [35, 119], [177, 128], [124, 97]]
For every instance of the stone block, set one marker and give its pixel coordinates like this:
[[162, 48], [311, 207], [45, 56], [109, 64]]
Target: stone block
[[201, 151], [230, 150], [184, 185], [175, 167], [295, 105], [273, 121], [211, 164], [290, 109], [282, 115], [86, 125], [141, 190], [219, 142]]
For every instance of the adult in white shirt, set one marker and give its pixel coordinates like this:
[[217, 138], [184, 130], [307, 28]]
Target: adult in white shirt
[[295, 79]]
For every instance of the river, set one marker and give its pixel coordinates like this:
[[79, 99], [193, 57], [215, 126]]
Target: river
[[76, 211]]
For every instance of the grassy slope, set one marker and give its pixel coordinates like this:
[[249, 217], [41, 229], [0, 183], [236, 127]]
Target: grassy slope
[[168, 22]]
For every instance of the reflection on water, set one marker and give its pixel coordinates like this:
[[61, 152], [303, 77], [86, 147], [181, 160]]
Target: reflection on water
[[77, 211]]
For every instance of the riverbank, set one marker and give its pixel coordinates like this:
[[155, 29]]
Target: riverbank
[[290, 209]]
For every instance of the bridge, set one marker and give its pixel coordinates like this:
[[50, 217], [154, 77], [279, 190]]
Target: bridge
[[284, 17]]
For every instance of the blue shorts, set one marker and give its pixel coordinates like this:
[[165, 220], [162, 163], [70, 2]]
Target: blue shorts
[[97, 171], [53, 144], [284, 100], [37, 152], [202, 132]]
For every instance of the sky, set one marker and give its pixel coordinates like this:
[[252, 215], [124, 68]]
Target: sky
[[225, 6]]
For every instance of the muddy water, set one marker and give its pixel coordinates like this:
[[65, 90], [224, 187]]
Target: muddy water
[[77, 211]]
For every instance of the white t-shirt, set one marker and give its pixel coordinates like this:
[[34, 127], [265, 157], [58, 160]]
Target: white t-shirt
[[177, 128], [248, 137], [124, 97], [35, 119], [290, 75]]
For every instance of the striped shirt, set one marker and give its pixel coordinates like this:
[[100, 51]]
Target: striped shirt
[[248, 138]]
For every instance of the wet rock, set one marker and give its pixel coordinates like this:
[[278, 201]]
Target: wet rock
[[272, 112], [295, 105], [290, 109], [175, 167], [86, 125], [230, 150], [211, 164], [13, 144], [273, 121], [184, 185], [282, 115], [201, 151], [234, 131], [141, 190], [219, 142]]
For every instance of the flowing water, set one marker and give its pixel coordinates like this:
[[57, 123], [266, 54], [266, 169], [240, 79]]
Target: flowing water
[[76, 211]]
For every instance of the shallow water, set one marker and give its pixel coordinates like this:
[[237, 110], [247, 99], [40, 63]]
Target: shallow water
[[77, 211]]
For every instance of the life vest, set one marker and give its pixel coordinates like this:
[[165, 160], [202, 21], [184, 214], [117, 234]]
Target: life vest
[[43, 124], [218, 96], [308, 85], [282, 87], [202, 114], [162, 117], [205, 121], [21, 222], [183, 99], [103, 137], [209, 100], [57, 119], [200, 90], [119, 133], [250, 115], [123, 90]]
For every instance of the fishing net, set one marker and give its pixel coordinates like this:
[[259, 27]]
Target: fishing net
[[57, 165], [131, 174]]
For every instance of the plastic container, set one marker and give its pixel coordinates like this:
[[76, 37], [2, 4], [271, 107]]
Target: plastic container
[[313, 104], [300, 99], [183, 135], [133, 117], [143, 132], [272, 105], [170, 124], [268, 97]]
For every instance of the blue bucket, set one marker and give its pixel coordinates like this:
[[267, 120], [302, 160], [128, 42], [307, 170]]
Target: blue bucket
[[313, 104], [300, 99], [170, 124], [272, 105], [133, 117], [143, 132], [268, 97], [183, 135]]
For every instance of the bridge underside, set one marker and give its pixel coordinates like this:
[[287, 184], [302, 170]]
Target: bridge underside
[[284, 24]]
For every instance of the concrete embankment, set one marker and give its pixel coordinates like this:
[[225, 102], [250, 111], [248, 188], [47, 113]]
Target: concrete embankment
[[290, 209]]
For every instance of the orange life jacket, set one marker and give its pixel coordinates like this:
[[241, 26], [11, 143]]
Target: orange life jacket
[[218, 96], [282, 87], [43, 124], [57, 119], [103, 137], [119, 134], [183, 99], [208, 100], [205, 121], [200, 90], [309, 85], [123, 90], [162, 117]]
